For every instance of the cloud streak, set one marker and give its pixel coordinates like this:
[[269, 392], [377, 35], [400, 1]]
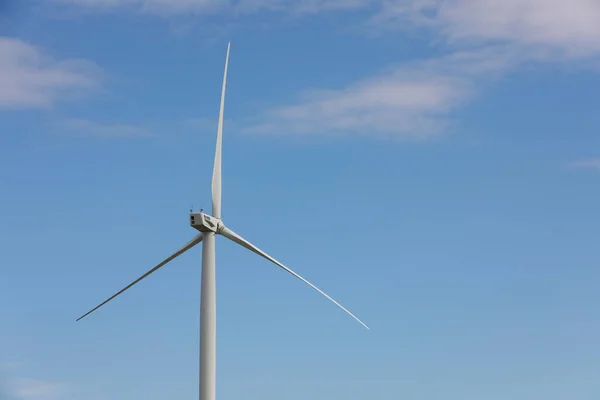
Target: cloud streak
[[30, 389], [31, 79], [590, 163], [391, 104], [558, 23], [483, 39], [571, 27], [171, 8], [412, 101]]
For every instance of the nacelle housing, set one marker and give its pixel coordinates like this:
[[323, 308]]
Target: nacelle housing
[[204, 222]]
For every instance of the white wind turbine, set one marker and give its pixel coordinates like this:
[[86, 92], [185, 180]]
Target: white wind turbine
[[209, 226]]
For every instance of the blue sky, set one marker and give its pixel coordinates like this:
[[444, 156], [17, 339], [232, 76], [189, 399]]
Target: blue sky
[[431, 164]]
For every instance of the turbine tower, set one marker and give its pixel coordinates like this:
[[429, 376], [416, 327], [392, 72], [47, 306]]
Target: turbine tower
[[209, 226]]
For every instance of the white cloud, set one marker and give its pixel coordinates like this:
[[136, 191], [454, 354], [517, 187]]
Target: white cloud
[[570, 26], [302, 6], [484, 39], [84, 127], [170, 8], [19, 388], [388, 105], [31, 389], [30, 79], [560, 23], [590, 163], [411, 101], [174, 7], [34, 389]]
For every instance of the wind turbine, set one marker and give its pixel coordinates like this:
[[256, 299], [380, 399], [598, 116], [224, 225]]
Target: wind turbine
[[210, 226]]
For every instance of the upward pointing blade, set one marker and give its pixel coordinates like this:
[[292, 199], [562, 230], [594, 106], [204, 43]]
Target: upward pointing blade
[[216, 178], [197, 239], [231, 235]]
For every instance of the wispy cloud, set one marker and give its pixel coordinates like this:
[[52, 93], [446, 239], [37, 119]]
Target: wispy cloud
[[390, 104], [85, 127], [410, 101], [301, 7], [571, 27], [590, 163], [483, 39], [15, 387], [178, 7], [31, 79], [164, 7], [558, 23], [30, 389]]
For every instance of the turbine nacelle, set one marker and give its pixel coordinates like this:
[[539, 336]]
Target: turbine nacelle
[[205, 223]]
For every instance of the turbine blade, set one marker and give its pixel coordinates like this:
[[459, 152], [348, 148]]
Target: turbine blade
[[231, 235], [197, 239], [216, 178]]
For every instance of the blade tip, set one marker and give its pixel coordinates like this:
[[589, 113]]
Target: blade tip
[[82, 317]]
